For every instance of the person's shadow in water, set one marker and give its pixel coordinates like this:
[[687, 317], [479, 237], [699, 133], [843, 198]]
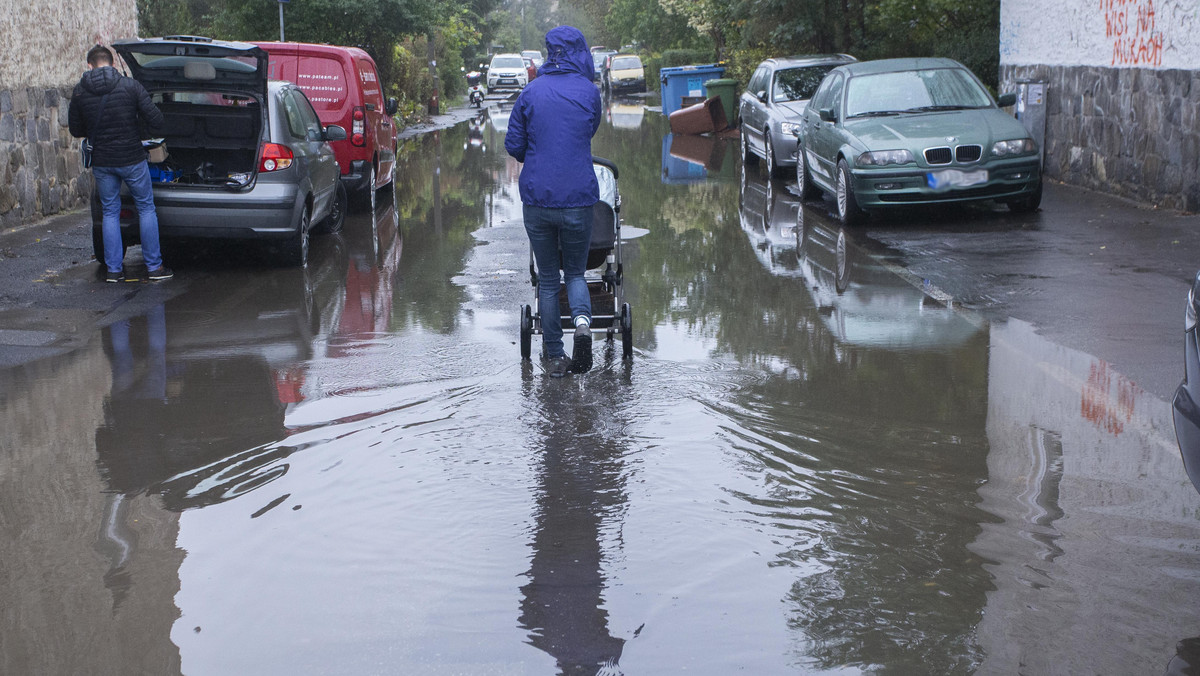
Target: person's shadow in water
[[580, 502]]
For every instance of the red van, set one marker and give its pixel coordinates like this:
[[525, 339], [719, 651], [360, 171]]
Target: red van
[[343, 85]]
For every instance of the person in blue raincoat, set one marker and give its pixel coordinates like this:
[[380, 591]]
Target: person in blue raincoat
[[550, 130]]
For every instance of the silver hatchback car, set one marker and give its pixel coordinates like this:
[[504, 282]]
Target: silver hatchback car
[[773, 104], [246, 158]]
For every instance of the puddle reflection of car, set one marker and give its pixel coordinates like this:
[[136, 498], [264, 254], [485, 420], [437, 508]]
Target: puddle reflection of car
[[863, 303], [498, 118], [768, 215], [201, 385], [1184, 408], [626, 115]]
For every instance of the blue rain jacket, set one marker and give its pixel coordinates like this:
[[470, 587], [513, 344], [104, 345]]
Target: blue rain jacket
[[552, 124]]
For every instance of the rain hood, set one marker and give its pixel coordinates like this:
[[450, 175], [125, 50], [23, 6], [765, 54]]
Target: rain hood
[[567, 52]]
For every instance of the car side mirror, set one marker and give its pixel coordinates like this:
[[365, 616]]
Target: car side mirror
[[1006, 100], [393, 105], [761, 96], [335, 133], [827, 115]]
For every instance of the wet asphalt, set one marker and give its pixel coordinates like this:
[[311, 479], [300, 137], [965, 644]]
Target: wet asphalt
[[1096, 273]]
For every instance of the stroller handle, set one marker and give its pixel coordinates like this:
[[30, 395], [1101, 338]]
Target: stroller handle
[[606, 163]]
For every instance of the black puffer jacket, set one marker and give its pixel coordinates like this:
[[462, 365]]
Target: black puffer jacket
[[128, 114]]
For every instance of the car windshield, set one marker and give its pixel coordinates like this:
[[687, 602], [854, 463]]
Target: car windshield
[[798, 84], [508, 62], [626, 63], [914, 91]]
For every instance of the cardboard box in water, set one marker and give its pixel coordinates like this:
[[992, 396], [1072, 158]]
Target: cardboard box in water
[[702, 118]]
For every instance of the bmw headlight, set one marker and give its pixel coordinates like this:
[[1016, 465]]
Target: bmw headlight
[[789, 128], [1021, 146], [880, 158]]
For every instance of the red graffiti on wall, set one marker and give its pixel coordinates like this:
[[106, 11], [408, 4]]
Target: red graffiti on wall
[[1130, 25]]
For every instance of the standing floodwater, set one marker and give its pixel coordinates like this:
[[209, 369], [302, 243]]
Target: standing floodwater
[[812, 464]]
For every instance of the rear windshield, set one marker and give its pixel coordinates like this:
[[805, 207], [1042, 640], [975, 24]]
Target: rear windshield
[[508, 62], [626, 63], [232, 64], [798, 84]]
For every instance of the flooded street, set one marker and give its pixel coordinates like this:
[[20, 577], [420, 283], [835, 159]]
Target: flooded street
[[815, 463]]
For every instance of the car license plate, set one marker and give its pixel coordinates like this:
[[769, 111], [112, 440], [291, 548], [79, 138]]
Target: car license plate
[[507, 81], [954, 178]]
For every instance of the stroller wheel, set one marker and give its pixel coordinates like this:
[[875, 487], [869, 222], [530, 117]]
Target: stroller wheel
[[626, 332], [526, 332]]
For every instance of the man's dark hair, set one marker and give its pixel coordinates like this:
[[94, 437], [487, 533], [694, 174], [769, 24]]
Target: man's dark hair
[[99, 56]]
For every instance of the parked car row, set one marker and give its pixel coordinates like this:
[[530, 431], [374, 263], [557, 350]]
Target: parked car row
[[264, 141], [887, 133]]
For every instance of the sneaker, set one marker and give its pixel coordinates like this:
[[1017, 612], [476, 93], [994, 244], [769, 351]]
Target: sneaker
[[581, 354], [559, 366], [160, 273], [114, 277]]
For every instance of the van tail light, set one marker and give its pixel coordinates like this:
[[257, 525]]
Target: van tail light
[[275, 157], [359, 129]]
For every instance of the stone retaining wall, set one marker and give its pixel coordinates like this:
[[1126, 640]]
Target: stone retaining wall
[[1130, 132], [45, 45], [40, 169]]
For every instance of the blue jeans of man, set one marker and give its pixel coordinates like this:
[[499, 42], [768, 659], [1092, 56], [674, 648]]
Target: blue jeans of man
[[555, 232], [108, 187]]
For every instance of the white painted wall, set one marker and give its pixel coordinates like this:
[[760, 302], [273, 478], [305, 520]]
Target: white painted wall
[[1115, 33]]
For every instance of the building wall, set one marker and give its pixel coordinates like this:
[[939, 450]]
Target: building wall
[[1123, 84], [45, 45]]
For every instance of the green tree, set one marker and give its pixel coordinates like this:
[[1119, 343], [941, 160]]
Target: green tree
[[648, 24]]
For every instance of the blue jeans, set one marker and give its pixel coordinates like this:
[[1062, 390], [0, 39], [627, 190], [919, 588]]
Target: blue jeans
[[108, 187], [552, 231]]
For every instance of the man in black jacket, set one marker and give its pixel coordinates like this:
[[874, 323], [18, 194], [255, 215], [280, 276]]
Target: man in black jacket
[[111, 110]]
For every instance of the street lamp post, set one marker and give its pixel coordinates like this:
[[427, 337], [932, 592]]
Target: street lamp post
[[281, 20]]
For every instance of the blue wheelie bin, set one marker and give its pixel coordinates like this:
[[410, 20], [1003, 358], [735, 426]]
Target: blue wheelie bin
[[683, 86]]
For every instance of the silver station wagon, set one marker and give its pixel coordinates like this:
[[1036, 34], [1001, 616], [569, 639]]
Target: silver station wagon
[[246, 158]]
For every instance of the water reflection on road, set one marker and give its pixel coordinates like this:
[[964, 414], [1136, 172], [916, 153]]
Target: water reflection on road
[[811, 466]]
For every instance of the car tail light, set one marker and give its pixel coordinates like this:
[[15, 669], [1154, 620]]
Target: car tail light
[[126, 214], [275, 157], [359, 128]]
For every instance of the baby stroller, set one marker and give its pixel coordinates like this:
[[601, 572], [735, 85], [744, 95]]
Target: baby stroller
[[610, 312]]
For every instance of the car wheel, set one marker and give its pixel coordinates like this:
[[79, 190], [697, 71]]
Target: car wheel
[[1027, 205], [848, 211], [337, 215], [769, 152], [364, 198], [294, 252], [748, 156], [804, 183]]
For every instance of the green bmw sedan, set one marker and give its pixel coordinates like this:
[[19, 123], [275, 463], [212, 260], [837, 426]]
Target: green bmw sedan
[[879, 134]]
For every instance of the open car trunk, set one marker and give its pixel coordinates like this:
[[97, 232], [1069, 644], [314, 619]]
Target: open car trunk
[[211, 94], [211, 139]]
